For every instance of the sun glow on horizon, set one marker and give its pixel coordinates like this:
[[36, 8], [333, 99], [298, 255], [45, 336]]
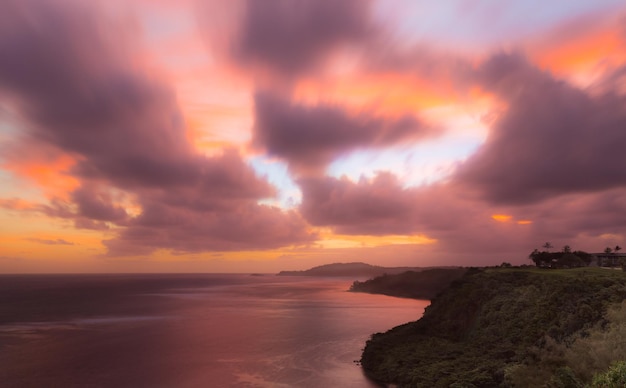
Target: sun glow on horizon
[[331, 240]]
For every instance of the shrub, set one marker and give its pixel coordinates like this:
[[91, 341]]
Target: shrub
[[508, 327], [614, 377]]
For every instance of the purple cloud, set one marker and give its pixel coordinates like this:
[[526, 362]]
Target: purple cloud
[[310, 137], [79, 91], [97, 205], [248, 227], [380, 206], [291, 37], [553, 138]]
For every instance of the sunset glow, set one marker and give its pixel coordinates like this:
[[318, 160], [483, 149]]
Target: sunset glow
[[502, 217], [150, 136]]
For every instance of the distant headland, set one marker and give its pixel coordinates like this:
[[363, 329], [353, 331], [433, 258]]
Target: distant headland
[[356, 269]]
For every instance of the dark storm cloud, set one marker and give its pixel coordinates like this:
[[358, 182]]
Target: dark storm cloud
[[552, 138], [72, 78], [292, 36], [309, 137]]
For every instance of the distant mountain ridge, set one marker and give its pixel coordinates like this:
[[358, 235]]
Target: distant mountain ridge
[[350, 269]]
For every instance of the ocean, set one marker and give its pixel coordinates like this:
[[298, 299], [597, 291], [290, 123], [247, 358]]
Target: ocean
[[189, 330]]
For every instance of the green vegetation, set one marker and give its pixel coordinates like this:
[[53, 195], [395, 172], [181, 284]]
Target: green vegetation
[[511, 327], [615, 377], [563, 259], [419, 285]]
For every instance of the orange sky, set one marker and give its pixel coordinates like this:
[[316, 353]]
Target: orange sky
[[244, 139]]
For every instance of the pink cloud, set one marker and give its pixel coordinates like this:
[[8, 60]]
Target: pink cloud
[[247, 227], [553, 138], [310, 137], [379, 206], [81, 93], [97, 205], [58, 241], [286, 38], [462, 224], [84, 97]]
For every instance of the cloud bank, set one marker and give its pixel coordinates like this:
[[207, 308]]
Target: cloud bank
[[100, 127], [79, 92]]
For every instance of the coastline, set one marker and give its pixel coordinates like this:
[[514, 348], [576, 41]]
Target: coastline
[[497, 327]]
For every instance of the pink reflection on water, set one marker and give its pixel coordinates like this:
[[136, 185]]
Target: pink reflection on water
[[290, 332], [235, 332]]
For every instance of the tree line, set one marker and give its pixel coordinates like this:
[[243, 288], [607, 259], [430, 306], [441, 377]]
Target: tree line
[[566, 257]]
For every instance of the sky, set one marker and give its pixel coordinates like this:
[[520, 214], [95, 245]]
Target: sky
[[257, 136]]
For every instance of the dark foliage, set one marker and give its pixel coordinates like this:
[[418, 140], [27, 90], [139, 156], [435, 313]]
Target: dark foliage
[[489, 321], [564, 259], [420, 285]]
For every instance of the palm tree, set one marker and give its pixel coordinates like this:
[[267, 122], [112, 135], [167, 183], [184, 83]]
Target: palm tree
[[567, 249], [621, 260], [613, 255], [547, 245]]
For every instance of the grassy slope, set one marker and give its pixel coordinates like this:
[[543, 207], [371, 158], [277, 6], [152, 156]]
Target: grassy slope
[[494, 327]]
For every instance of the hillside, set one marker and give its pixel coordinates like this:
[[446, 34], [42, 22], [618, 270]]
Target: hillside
[[508, 327], [348, 269], [425, 284]]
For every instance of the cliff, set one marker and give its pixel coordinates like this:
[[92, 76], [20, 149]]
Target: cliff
[[508, 327], [425, 284]]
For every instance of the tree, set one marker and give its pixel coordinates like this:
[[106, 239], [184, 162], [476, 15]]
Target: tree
[[584, 256], [608, 250], [615, 376], [534, 256], [548, 246], [568, 260], [567, 249], [542, 259], [617, 248]]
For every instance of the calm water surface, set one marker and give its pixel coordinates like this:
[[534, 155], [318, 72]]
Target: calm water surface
[[188, 330]]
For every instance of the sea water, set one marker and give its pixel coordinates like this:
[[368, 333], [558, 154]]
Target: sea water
[[184, 330]]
